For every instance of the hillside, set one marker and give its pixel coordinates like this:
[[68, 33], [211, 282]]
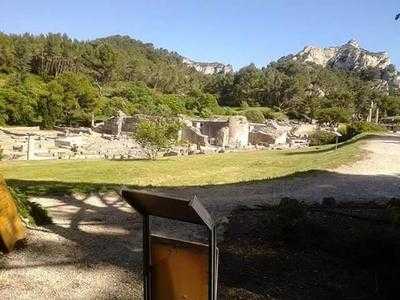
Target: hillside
[[52, 79]]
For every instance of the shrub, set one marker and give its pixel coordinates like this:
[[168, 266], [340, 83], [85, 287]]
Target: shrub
[[294, 115], [333, 115], [229, 111], [156, 135], [347, 132], [360, 127], [254, 116], [244, 105], [32, 212], [267, 113], [320, 137], [288, 221], [350, 130], [278, 115]]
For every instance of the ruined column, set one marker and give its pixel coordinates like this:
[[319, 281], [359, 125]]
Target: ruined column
[[238, 132], [30, 148]]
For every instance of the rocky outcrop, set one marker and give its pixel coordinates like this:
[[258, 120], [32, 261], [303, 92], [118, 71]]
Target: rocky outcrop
[[208, 68], [350, 57]]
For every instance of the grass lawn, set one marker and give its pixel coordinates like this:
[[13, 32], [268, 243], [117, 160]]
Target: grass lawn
[[184, 171]]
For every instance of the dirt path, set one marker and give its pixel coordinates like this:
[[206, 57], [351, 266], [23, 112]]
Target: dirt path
[[383, 158], [93, 249]]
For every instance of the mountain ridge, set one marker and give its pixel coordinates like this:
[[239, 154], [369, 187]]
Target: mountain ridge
[[350, 57]]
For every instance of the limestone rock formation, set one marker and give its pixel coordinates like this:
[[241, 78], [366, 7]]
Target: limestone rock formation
[[350, 57], [208, 68]]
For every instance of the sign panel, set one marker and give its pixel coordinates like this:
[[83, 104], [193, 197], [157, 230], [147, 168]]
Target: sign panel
[[179, 269], [11, 227]]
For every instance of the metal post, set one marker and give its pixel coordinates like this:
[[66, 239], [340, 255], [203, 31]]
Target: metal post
[[212, 259], [215, 266], [146, 258], [210, 264]]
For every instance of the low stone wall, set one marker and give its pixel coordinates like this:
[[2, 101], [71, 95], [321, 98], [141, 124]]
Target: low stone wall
[[116, 125], [261, 138], [193, 136]]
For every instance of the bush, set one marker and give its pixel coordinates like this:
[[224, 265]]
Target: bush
[[229, 111], [333, 115], [156, 135], [260, 114], [289, 221], [278, 115], [350, 130], [361, 127], [254, 116], [32, 212], [294, 115], [347, 132], [244, 105], [320, 137]]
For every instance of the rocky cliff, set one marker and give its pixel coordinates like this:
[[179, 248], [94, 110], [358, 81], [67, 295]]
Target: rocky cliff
[[208, 68], [350, 57]]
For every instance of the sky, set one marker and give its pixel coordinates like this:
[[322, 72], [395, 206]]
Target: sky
[[236, 32]]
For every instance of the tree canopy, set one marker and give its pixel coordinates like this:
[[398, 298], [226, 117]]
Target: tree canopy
[[51, 79]]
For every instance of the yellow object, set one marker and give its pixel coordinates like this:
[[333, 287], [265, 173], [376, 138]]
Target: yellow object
[[179, 270], [11, 227]]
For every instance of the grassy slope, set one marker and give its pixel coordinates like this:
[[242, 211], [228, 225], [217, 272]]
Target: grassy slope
[[184, 171]]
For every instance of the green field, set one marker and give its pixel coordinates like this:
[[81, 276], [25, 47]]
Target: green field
[[184, 171]]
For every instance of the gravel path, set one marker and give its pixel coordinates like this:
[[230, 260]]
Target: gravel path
[[93, 249]]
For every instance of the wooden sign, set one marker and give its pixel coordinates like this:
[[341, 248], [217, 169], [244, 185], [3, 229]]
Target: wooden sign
[[174, 269], [11, 227]]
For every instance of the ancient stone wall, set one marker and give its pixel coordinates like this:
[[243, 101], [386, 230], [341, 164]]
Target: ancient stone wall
[[261, 138], [116, 125], [129, 124], [193, 136], [238, 132], [216, 131]]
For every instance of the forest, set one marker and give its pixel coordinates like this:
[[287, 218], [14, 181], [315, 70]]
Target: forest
[[51, 79]]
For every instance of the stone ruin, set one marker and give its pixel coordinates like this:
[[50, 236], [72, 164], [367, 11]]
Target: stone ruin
[[119, 124], [112, 139], [31, 143], [236, 132], [232, 132]]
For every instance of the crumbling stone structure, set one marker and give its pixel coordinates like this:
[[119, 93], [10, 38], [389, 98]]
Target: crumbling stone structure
[[232, 132], [117, 125]]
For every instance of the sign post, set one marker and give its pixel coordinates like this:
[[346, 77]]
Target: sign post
[[173, 268]]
